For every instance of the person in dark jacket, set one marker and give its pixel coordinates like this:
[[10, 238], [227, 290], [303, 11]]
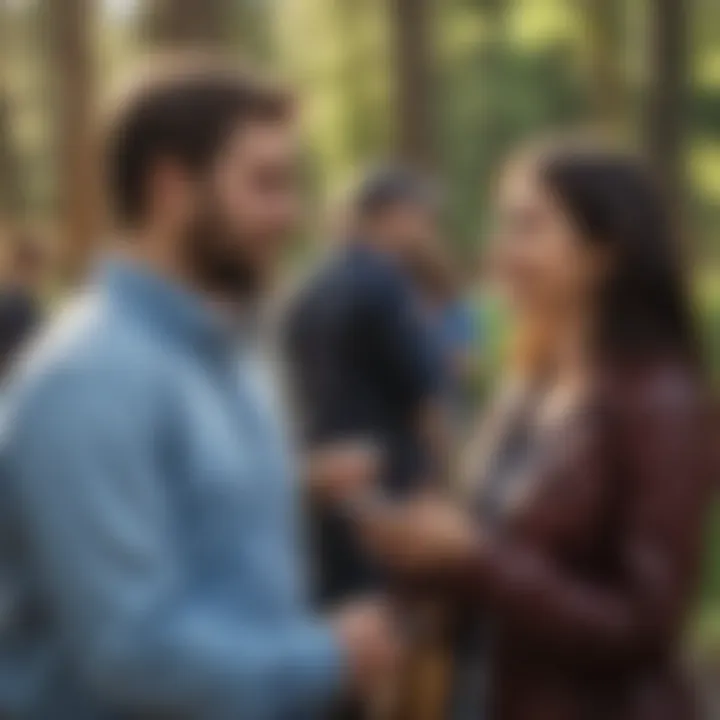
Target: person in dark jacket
[[362, 364]]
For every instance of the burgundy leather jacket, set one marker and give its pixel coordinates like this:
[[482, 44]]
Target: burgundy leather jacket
[[591, 579]]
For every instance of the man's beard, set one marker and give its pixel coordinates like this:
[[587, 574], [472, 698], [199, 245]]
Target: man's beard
[[215, 256]]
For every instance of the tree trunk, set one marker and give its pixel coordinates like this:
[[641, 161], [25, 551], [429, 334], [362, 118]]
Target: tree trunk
[[209, 24], [12, 195], [357, 121], [667, 98], [415, 130], [179, 23], [604, 35], [69, 31], [12, 198]]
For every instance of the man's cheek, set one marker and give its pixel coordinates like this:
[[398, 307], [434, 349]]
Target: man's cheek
[[291, 213], [273, 216]]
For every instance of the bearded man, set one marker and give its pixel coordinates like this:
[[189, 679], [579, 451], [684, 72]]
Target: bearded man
[[150, 562]]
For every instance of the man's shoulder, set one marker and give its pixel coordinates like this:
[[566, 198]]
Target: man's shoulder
[[365, 277], [89, 344], [319, 288], [373, 266], [353, 283]]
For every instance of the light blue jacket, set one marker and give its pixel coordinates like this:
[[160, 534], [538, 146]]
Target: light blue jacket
[[149, 560]]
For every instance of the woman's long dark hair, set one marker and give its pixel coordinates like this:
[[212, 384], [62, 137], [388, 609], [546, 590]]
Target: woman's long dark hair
[[645, 310]]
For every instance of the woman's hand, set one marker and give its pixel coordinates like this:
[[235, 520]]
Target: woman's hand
[[422, 535]]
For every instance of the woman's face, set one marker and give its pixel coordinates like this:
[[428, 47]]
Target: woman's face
[[542, 264]]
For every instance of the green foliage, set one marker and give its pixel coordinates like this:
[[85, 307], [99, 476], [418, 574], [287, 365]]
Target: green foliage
[[708, 317], [706, 628]]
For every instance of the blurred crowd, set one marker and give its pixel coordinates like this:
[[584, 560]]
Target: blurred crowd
[[210, 511]]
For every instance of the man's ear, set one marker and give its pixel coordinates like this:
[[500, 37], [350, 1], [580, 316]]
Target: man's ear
[[171, 193]]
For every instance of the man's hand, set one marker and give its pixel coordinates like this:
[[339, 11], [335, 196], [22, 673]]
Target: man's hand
[[371, 644], [342, 472], [422, 535]]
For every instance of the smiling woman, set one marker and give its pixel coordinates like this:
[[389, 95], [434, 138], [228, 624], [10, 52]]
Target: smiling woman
[[571, 572]]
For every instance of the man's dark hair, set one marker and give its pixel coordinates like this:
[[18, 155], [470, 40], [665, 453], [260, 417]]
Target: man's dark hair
[[185, 111], [387, 187]]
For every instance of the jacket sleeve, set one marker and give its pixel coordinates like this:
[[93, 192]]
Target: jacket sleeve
[[78, 456], [662, 452]]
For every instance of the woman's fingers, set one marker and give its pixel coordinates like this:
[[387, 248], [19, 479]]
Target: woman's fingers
[[420, 535]]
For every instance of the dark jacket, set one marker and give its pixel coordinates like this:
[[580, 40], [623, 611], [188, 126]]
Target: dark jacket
[[361, 365], [590, 580], [20, 316]]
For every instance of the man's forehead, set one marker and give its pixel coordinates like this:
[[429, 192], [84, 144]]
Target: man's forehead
[[269, 139]]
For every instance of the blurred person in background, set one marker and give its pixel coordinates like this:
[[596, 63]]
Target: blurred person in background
[[362, 363], [449, 314], [25, 265], [150, 559], [572, 566]]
